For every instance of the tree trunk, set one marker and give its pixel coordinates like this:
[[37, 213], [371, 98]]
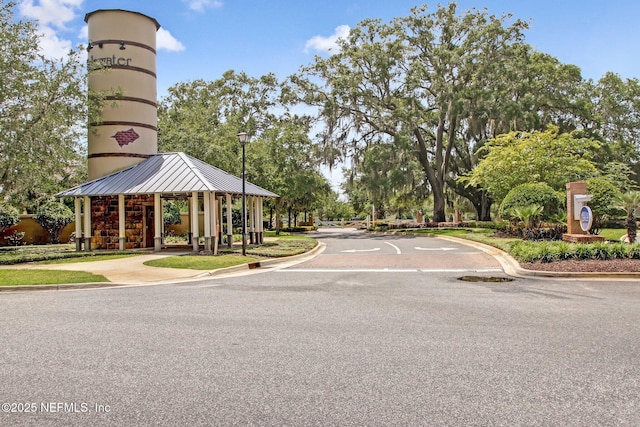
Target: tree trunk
[[632, 228], [439, 206]]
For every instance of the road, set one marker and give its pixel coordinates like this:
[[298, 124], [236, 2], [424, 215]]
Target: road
[[354, 336]]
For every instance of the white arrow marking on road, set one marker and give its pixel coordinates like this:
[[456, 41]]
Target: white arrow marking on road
[[395, 247], [434, 249], [361, 250]]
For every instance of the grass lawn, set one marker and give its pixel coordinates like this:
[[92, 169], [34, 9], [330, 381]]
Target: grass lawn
[[281, 246], [277, 246], [613, 234], [11, 277], [200, 262]]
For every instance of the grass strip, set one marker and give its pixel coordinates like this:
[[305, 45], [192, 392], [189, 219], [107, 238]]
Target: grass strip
[[16, 277], [200, 262]]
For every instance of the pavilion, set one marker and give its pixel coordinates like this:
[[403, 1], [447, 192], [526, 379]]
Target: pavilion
[[123, 210]]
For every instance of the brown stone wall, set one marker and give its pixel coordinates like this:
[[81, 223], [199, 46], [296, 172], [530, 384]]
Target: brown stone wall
[[104, 221]]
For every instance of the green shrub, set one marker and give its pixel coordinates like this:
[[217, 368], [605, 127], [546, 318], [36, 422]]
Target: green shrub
[[603, 203], [9, 216], [532, 194], [171, 212], [53, 216], [525, 251]]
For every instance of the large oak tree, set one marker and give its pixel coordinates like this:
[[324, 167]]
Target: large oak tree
[[411, 81]]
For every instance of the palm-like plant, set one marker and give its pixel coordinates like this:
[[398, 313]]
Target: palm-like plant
[[528, 214], [630, 203]]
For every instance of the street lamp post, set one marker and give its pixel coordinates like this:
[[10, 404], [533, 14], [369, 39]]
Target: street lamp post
[[244, 138]]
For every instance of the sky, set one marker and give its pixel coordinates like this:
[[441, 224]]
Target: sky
[[201, 39]]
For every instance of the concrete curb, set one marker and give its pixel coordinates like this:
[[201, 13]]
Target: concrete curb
[[513, 268]]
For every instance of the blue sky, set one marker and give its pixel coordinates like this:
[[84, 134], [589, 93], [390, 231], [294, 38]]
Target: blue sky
[[201, 39]]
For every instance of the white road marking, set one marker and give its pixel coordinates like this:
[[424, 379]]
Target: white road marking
[[361, 250], [434, 249], [394, 246], [390, 270]]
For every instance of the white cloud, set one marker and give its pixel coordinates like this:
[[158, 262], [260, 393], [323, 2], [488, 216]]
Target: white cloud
[[52, 17], [51, 13], [166, 41], [201, 5], [327, 44], [51, 45]]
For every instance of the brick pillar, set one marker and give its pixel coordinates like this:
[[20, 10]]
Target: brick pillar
[[573, 224]]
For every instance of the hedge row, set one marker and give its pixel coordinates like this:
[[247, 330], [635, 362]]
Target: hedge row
[[525, 251]]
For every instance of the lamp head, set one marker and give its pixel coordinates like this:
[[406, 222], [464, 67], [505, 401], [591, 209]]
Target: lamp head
[[243, 137]]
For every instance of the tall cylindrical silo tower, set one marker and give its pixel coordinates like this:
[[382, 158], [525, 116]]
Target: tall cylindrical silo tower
[[124, 44]]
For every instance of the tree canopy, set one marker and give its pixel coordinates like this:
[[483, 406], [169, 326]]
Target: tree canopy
[[203, 119], [43, 115], [521, 157]]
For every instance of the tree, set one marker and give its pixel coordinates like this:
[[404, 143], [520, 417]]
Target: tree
[[616, 119], [203, 118], [171, 211], [603, 202], [533, 90], [408, 83], [532, 194], [387, 178], [43, 115], [520, 157], [630, 203], [332, 209], [53, 216]]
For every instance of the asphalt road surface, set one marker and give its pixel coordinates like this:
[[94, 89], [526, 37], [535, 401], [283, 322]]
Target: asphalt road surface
[[390, 336]]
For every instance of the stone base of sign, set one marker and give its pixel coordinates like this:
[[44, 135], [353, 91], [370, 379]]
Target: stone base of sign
[[582, 238]]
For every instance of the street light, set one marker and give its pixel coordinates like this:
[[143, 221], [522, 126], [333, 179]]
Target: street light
[[244, 138]]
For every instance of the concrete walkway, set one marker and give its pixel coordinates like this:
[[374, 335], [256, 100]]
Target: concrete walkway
[[128, 271]]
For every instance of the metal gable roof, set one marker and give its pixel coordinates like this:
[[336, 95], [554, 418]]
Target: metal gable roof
[[166, 173]]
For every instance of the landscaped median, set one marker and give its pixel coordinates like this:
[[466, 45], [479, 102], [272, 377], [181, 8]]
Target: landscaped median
[[534, 253], [274, 247], [280, 246]]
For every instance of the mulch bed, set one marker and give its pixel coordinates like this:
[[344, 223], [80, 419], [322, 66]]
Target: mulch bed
[[582, 266]]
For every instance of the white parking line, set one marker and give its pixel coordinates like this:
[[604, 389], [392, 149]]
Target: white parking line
[[394, 246]]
